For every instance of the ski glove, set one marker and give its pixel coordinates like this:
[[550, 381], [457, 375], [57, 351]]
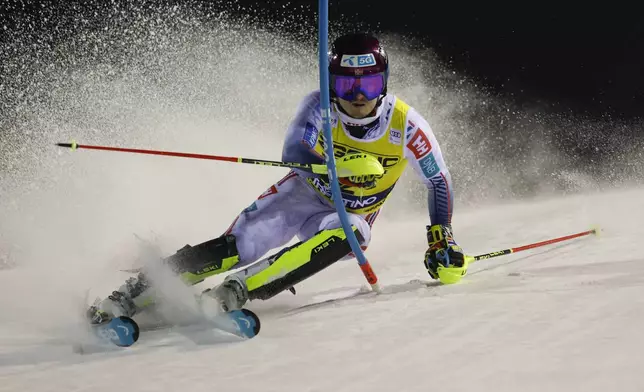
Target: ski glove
[[444, 253]]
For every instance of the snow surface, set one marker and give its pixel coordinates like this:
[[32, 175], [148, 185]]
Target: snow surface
[[559, 318]]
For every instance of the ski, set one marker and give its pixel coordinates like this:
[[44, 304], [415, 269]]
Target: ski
[[120, 331], [243, 323], [125, 332]]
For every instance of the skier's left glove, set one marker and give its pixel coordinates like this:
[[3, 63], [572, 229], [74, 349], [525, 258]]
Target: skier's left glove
[[444, 259]]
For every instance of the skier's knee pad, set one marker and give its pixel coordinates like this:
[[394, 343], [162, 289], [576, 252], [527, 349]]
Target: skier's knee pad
[[332, 221], [195, 263]]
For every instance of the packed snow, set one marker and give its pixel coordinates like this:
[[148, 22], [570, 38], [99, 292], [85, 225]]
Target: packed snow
[[556, 318]]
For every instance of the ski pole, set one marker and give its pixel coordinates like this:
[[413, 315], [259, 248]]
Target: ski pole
[[454, 274], [350, 165], [532, 246]]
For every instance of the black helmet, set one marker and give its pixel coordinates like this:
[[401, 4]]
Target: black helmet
[[358, 63]]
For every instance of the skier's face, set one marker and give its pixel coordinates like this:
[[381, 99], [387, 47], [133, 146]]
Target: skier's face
[[360, 107]]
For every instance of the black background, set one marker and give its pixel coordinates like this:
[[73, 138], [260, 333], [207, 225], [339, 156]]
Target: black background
[[584, 58]]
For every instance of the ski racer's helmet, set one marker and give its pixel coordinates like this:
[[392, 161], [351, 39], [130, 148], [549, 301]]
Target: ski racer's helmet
[[358, 64]]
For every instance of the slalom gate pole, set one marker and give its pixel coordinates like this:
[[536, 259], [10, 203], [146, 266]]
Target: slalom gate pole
[[532, 246], [325, 104], [314, 168]]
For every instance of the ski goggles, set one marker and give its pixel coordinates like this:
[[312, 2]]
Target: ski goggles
[[348, 87]]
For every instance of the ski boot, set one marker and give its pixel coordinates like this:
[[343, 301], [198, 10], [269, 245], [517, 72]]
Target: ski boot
[[120, 302], [231, 294]]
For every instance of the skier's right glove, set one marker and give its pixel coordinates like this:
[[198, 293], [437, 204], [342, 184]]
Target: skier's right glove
[[444, 259]]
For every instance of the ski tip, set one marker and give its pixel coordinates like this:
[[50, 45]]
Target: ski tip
[[136, 331], [126, 330], [121, 331], [596, 230], [247, 322], [252, 314]]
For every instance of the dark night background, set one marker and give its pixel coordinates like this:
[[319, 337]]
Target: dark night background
[[586, 58], [575, 63]]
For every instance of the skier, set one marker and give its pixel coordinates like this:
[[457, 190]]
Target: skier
[[365, 118]]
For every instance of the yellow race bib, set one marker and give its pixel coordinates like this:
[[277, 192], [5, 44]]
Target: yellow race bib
[[368, 197]]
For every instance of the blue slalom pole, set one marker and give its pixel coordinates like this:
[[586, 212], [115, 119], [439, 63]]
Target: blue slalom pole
[[325, 104]]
